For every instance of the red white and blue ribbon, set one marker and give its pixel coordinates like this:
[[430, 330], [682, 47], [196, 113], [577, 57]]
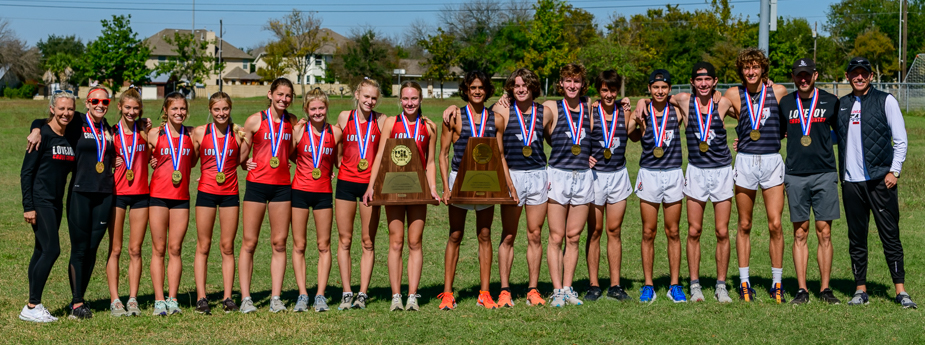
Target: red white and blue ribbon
[[658, 131], [481, 131], [755, 114], [363, 144], [704, 124], [316, 151], [128, 154], [174, 153], [527, 135], [99, 138], [417, 127], [277, 136], [220, 155], [806, 121], [613, 125], [576, 131]]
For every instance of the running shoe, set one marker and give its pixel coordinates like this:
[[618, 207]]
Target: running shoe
[[696, 293], [594, 293], [160, 308], [321, 303], [346, 300], [647, 294], [486, 301], [132, 307], [229, 306], [571, 297], [859, 298], [558, 298], [36, 314], [396, 303], [722, 294], [172, 306], [247, 305], [504, 299], [616, 292], [301, 304], [802, 297], [447, 302], [412, 304], [360, 301], [746, 293], [828, 297], [534, 298], [202, 306], [904, 300], [81, 312], [676, 294], [116, 308], [276, 305], [777, 293]]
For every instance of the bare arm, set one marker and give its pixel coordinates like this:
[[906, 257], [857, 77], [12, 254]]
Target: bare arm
[[732, 95], [446, 137], [430, 165]]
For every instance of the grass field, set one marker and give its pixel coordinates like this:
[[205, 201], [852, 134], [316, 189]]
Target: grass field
[[603, 321]]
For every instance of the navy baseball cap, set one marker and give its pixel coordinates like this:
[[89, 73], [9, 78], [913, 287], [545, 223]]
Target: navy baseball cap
[[803, 65], [859, 62], [660, 75], [711, 71]]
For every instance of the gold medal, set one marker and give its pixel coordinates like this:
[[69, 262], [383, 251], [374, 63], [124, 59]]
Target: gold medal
[[806, 140], [576, 150], [274, 162], [100, 167], [607, 153], [658, 152], [528, 151], [316, 173], [755, 135], [363, 164], [220, 177], [177, 176], [129, 175], [704, 147]]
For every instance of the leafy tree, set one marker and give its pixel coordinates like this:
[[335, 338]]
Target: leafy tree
[[15, 55], [579, 26], [723, 58], [440, 58], [792, 40], [367, 57], [548, 49], [60, 65], [70, 46], [194, 62], [299, 35], [878, 48], [117, 55], [604, 54], [275, 58]]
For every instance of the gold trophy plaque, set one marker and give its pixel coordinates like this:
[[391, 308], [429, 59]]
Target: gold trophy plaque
[[481, 178], [401, 179]]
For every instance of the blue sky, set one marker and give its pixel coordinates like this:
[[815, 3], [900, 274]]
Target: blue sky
[[33, 20]]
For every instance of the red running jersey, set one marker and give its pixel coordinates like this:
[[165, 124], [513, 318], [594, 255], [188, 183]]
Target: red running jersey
[[348, 164], [162, 185], [262, 152], [304, 165], [139, 184], [208, 164], [422, 139]]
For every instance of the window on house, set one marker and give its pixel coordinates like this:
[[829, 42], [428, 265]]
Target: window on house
[[246, 62], [161, 58]]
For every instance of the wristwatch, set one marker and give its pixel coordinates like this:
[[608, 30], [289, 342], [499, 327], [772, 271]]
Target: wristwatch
[[895, 173]]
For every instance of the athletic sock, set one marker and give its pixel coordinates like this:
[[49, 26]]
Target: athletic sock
[[532, 288], [695, 281], [776, 273], [743, 275], [508, 289], [721, 283]]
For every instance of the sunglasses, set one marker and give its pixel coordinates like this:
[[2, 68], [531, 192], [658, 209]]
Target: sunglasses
[[63, 91], [95, 101], [859, 63]]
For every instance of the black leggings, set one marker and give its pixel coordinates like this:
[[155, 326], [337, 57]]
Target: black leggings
[[46, 252], [87, 220]]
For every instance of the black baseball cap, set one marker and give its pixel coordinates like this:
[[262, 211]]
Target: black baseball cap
[[803, 65], [859, 62], [711, 71], [665, 76]]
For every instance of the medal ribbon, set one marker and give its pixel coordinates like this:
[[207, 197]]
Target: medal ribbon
[[128, 155], [528, 136], [98, 138], [363, 144], [174, 154], [274, 139], [704, 125], [571, 124], [806, 123], [481, 132], [316, 152], [613, 125], [417, 127], [755, 114], [659, 132], [220, 155]]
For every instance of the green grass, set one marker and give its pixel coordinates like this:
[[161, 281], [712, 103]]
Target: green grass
[[603, 321]]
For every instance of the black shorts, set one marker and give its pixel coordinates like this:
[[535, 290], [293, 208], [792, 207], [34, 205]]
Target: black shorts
[[133, 201], [170, 204], [204, 199], [350, 191], [311, 200], [263, 193]]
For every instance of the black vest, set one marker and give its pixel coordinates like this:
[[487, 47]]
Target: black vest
[[877, 140]]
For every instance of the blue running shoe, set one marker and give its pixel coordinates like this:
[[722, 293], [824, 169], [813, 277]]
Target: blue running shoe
[[676, 294], [647, 294], [746, 293], [777, 293]]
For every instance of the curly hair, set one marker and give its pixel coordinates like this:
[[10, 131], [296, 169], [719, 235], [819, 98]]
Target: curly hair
[[530, 80], [749, 56], [470, 77], [573, 70]]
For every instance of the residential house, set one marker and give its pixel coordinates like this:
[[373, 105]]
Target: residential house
[[411, 69], [318, 62], [237, 62]]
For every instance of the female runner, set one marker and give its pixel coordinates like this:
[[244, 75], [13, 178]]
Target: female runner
[[409, 124], [313, 154], [172, 160], [219, 145], [362, 129]]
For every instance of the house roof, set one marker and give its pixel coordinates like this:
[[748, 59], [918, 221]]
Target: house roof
[[335, 41], [159, 47], [413, 67], [239, 74]]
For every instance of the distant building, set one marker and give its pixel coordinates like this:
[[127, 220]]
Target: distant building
[[411, 69], [238, 64], [318, 62]]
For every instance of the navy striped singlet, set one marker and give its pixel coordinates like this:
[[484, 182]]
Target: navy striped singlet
[[598, 143], [514, 141], [561, 156], [459, 147], [770, 124], [671, 143], [718, 154]]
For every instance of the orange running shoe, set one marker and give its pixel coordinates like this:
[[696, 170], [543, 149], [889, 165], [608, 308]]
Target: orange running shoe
[[534, 298], [447, 302], [486, 301], [504, 299]]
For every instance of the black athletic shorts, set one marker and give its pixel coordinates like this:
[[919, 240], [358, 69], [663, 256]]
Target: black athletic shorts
[[263, 193], [350, 191], [133, 201], [204, 199], [170, 204], [311, 200]]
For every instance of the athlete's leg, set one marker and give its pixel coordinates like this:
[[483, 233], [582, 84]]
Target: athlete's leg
[[228, 222], [323, 233], [593, 243], [345, 213], [179, 222], [160, 218], [483, 220], [299, 242], [745, 202], [558, 214], [205, 221], [672, 232], [457, 217], [576, 220], [536, 216], [416, 216], [721, 212], [774, 205], [395, 217], [615, 213], [649, 213], [510, 221], [280, 213], [369, 224], [695, 210], [116, 224], [252, 217]]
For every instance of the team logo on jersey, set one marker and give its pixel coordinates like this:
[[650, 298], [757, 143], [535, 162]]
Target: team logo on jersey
[[639, 186], [520, 137], [581, 136], [669, 135], [710, 136], [613, 145]]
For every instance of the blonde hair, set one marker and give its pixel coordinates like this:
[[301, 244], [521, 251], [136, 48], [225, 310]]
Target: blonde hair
[[365, 82], [170, 98], [132, 94], [54, 100], [314, 95]]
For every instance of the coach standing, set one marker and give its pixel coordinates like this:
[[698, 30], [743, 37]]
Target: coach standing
[[872, 147]]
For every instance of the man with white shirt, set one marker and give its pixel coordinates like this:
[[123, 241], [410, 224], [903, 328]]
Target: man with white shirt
[[872, 147]]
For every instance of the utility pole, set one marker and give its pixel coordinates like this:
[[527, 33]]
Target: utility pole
[[905, 10], [815, 26], [194, 18], [221, 44], [764, 25]]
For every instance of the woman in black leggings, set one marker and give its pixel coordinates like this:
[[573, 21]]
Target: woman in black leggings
[[43, 176]]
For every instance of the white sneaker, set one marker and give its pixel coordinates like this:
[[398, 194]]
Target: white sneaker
[[558, 298], [396, 303], [571, 297], [696, 293], [37, 314]]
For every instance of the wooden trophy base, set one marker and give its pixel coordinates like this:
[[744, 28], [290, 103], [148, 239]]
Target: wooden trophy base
[[401, 179], [481, 179]]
